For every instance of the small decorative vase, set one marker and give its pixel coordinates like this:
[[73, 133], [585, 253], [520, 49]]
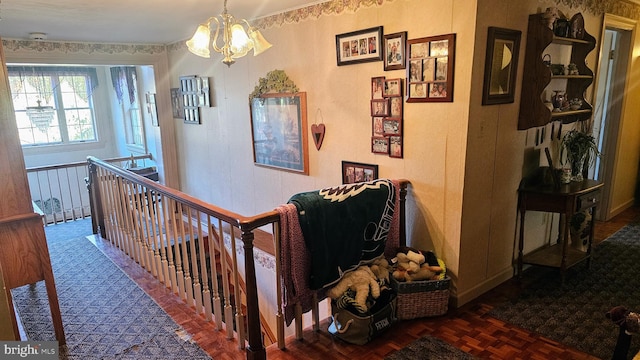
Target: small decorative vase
[[576, 169]]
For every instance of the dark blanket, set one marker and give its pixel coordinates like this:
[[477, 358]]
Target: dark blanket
[[344, 226]]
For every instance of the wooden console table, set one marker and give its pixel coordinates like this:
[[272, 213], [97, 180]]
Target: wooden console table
[[565, 200]]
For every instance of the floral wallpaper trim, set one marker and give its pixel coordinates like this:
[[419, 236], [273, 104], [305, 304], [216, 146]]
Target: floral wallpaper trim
[[76, 47], [599, 7], [333, 7]]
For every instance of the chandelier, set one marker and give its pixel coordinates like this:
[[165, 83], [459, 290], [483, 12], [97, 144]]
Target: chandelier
[[40, 116], [237, 41]]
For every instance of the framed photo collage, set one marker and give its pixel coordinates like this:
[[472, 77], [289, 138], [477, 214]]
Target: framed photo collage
[[386, 116], [429, 64]]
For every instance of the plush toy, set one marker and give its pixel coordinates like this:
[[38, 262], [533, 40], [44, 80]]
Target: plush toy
[[363, 281], [411, 264], [622, 317], [381, 268]]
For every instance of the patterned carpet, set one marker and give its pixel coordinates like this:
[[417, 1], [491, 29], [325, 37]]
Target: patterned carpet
[[429, 348], [105, 314], [574, 313]]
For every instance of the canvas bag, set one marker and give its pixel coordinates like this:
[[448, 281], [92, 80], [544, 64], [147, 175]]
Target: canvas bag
[[360, 330]]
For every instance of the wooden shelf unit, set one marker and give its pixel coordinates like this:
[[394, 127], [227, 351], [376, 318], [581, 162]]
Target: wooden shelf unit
[[537, 76]]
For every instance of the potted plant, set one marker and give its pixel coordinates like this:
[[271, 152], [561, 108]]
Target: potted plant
[[579, 147]]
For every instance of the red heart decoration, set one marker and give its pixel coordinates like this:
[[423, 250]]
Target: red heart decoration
[[318, 134]]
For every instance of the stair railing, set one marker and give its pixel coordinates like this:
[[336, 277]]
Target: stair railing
[[190, 246], [187, 244]]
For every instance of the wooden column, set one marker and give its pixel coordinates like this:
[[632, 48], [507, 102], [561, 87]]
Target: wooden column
[[24, 256]]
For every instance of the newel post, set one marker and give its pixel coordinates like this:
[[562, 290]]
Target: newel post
[[255, 350], [95, 200]]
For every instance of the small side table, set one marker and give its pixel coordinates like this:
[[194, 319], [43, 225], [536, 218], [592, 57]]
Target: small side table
[[565, 200]]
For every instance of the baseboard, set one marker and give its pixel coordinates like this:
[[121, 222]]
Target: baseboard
[[481, 288], [620, 209]]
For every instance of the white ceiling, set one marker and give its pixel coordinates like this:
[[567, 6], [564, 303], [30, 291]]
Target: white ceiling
[[125, 21]]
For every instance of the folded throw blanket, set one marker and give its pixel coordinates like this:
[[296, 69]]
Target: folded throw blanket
[[344, 227]]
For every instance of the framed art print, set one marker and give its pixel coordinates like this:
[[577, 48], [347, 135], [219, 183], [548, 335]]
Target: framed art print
[[279, 131]]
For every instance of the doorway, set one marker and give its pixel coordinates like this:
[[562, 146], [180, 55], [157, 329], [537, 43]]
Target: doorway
[[615, 49]]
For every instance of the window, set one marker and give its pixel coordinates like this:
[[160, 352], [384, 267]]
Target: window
[[53, 104], [125, 84]]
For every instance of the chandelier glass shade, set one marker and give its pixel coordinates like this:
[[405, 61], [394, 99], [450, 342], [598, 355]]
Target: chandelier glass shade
[[41, 116], [236, 41]]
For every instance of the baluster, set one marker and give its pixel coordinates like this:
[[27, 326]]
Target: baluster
[[154, 253], [164, 233], [136, 215], [228, 310], [194, 262], [73, 211], [217, 303], [60, 197], [129, 234], [236, 289], [188, 285], [279, 316], [176, 249], [169, 204]]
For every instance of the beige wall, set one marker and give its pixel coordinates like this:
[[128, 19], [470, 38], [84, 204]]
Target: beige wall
[[220, 151], [464, 160]]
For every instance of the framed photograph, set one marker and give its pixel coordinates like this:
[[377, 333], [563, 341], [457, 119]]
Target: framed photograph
[[395, 107], [500, 66], [359, 46], [353, 172], [392, 87], [395, 146], [380, 145], [377, 87], [380, 107], [394, 51], [391, 127], [431, 68], [279, 131], [176, 104], [437, 90], [377, 126], [418, 90]]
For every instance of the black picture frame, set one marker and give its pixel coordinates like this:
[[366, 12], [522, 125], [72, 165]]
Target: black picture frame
[[501, 65], [359, 46], [354, 172]]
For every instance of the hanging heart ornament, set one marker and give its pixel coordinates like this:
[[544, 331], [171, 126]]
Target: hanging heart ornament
[[318, 134], [317, 131]]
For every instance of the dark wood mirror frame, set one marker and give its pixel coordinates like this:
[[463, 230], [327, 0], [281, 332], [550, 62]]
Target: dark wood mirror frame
[[497, 74]]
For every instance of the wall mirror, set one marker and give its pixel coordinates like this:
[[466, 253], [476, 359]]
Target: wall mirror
[[501, 65]]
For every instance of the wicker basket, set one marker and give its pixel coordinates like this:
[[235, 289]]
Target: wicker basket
[[421, 298]]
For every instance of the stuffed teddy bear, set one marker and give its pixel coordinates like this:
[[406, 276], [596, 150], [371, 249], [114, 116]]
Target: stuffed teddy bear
[[363, 281]]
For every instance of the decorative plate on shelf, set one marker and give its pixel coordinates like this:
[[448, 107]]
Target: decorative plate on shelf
[[577, 26]]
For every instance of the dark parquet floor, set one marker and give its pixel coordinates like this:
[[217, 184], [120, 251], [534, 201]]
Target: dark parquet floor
[[468, 327]]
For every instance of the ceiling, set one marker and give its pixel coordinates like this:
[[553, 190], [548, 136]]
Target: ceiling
[[125, 21]]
